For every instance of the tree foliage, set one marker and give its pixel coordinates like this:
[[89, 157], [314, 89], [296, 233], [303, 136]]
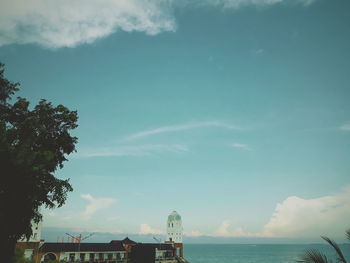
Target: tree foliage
[[34, 143], [315, 256], [19, 256]]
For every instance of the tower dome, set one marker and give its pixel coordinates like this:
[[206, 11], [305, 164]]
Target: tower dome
[[174, 227]]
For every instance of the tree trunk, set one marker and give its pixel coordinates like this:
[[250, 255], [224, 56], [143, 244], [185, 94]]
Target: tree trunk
[[7, 249]]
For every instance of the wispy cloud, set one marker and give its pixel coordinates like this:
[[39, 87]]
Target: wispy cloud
[[258, 52], [50, 214], [147, 229], [96, 204], [135, 150], [66, 23], [96, 230], [120, 147], [345, 127], [241, 3], [241, 146], [180, 127]]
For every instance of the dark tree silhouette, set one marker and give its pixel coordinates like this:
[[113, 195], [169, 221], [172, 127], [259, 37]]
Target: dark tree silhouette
[[34, 143], [315, 256]]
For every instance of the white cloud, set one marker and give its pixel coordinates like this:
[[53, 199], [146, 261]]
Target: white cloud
[[345, 127], [136, 150], [224, 230], [50, 214], [296, 217], [66, 23], [241, 146], [181, 127], [193, 234], [96, 204], [147, 229]]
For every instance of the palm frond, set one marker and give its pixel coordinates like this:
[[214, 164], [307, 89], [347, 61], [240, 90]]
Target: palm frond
[[313, 256], [341, 257], [347, 233]]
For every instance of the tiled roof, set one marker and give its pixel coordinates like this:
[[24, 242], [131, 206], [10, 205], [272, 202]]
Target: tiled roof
[[113, 246], [128, 241]]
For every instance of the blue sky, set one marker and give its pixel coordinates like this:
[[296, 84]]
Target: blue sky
[[235, 113]]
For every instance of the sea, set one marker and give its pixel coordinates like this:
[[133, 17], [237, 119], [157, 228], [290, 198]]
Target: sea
[[263, 253]]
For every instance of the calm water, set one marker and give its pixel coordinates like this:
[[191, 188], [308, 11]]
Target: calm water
[[227, 253]]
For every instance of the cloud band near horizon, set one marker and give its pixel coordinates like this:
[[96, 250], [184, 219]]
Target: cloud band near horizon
[[294, 217]]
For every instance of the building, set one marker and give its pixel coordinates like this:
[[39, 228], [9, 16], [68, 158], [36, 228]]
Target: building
[[152, 252], [116, 251], [31, 245], [174, 232], [174, 228], [112, 252]]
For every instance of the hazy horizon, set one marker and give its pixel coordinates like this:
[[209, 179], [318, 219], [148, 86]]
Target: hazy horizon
[[56, 234]]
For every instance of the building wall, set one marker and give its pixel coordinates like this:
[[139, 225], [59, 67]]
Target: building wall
[[66, 255], [174, 231], [30, 249], [166, 261]]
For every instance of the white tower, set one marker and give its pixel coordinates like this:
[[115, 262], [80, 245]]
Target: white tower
[[174, 228]]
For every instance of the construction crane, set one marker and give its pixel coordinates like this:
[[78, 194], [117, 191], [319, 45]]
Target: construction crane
[[78, 240], [159, 241]]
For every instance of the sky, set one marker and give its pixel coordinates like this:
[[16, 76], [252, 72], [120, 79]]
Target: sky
[[235, 113]]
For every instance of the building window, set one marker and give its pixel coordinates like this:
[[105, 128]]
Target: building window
[[82, 256], [28, 253], [71, 257]]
